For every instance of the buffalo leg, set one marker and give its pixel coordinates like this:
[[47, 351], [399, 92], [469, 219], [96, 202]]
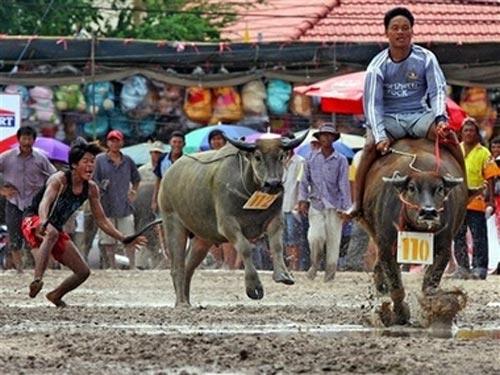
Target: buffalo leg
[[198, 252], [280, 271], [434, 272], [393, 277], [379, 278], [177, 237], [231, 230]]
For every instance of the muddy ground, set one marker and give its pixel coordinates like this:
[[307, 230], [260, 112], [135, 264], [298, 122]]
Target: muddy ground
[[122, 322]]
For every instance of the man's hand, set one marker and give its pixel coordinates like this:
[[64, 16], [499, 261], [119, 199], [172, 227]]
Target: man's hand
[[40, 231], [383, 146], [132, 195], [8, 191], [303, 208], [443, 129], [154, 206], [139, 241]]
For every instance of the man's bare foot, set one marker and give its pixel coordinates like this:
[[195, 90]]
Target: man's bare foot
[[35, 287], [56, 301]]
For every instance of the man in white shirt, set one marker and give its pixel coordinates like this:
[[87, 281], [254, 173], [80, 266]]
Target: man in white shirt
[[294, 225]]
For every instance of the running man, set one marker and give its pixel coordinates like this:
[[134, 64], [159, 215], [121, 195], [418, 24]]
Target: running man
[[54, 204]]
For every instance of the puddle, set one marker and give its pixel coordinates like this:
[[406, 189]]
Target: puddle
[[341, 330]]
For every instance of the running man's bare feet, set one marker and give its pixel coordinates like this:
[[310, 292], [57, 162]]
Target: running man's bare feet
[[35, 287], [56, 301]]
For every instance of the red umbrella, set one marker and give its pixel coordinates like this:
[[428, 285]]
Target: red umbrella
[[344, 94]]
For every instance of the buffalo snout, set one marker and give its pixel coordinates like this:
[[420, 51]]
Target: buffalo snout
[[428, 213], [272, 186]]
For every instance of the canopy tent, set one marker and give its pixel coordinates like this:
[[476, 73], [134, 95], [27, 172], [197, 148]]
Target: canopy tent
[[470, 64]]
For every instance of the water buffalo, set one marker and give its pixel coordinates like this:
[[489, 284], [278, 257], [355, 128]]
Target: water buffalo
[[413, 197], [205, 193]]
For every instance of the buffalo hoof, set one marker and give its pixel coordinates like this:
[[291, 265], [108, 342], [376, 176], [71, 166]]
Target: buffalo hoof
[[255, 293], [182, 305], [402, 314], [284, 277], [386, 314]]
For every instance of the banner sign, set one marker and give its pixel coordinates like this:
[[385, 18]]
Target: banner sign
[[10, 115]]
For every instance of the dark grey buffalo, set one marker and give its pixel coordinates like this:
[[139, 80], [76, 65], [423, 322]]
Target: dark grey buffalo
[[412, 197], [205, 193]]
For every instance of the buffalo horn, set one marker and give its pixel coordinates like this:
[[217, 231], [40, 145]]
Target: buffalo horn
[[244, 146], [290, 145]]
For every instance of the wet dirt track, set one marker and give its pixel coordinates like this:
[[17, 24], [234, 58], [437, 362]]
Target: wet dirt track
[[124, 322]]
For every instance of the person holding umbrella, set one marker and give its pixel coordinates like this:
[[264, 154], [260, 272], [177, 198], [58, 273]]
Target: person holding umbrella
[[404, 96]]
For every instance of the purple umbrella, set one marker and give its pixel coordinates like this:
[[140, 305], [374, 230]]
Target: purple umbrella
[[52, 148]]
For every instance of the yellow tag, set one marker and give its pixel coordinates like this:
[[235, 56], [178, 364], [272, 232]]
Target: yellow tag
[[260, 201], [415, 247]]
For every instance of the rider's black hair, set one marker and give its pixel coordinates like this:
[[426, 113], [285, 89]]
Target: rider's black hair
[[399, 11]]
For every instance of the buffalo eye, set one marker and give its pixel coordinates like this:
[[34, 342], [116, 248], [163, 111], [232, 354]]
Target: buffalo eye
[[440, 190], [282, 156], [258, 157], [412, 189]]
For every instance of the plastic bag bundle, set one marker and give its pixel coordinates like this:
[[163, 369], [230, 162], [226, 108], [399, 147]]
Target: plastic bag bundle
[[70, 98], [22, 91], [96, 129], [169, 98], [138, 98], [278, 96], [100, 97], [119, 121], [301, 105], [253, 96], [227, 105], [42, 105], [198, 104]]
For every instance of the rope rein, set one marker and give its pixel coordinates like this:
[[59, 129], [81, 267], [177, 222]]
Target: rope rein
[[407, 204]]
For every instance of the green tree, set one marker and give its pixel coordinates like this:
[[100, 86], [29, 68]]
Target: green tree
[[191, 20], [25, 17]]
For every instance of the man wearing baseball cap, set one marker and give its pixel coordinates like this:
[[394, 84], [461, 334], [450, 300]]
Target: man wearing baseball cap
[[118, 179]]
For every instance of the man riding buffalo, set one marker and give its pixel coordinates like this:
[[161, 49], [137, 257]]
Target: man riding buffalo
[[404, 96]]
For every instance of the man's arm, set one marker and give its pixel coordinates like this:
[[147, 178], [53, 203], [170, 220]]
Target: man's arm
[[436, 88], [304, 189], [102, 220], [344, 183], [55, 186], [373, 103]]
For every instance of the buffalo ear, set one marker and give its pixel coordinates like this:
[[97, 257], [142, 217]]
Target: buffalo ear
[[399, 182], [450, 182]]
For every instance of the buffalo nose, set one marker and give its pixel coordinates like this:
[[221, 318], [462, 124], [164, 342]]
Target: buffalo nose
[[428, 213], [272, 185]]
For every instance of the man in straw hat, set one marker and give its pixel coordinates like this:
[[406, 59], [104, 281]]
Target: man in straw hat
[[324, 191]]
